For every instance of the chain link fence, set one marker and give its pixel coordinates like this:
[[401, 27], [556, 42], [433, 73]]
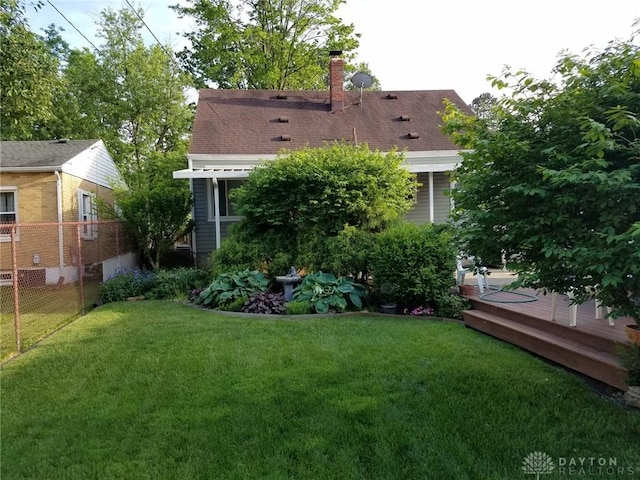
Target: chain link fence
[[51, 272]]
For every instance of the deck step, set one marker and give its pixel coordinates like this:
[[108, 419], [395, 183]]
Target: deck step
[[569, 352]]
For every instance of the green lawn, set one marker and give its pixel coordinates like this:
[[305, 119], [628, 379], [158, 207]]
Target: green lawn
[[159, 390], [42, 310]]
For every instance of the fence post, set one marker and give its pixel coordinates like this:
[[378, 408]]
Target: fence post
[[16, 290], [80, 267]]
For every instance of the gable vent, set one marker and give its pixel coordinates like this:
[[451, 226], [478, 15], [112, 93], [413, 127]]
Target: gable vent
[[392, 96], [281, 96], [285, 138], [413, 135], [404, 118], [283, 119]]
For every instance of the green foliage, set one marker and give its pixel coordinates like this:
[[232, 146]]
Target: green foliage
[[157, 212], [449, 305], [630, 358], [264, 45], [332, 199], [324, 189], [298, 308], [178, 283], [265, 302], [551, 177], [413, 265], [127, 284], [324, 291], [28, 76], [229, 287], [243, 249], [349, 253], [234, 306]]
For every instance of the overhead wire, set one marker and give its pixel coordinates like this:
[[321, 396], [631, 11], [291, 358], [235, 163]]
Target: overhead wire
[[70, 23]]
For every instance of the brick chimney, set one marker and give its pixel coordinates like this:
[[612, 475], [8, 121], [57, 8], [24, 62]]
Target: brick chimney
[[336, 79]]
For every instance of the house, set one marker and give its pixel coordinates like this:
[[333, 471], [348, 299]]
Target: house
[[235, 130], [42, 185]]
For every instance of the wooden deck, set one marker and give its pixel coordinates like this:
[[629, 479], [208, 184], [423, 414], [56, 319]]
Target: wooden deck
[[591, 347]]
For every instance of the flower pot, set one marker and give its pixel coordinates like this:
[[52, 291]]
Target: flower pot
[[633, 333], [390, 308]]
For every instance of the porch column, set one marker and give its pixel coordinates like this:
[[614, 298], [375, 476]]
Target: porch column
[[432, 215], [216, 210]]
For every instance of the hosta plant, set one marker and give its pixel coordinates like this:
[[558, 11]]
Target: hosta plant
[[324, 291], [228, 287]]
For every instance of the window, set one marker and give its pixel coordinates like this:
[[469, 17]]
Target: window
[[87, 213], [225, 187], [8, 211]]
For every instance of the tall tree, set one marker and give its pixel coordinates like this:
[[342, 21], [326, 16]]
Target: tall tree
[[265, 44], [28, 76], [553, 176]]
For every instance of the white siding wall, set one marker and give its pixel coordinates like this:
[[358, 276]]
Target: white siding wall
[[94, 165]]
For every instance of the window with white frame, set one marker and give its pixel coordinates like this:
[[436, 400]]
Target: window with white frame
[[227, 208], [8, 211], [87, 213]]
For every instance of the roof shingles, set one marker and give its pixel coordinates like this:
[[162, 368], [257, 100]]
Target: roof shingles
[[46, 154], [247, 121]]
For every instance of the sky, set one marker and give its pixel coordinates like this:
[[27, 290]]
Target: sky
[[416, 44]]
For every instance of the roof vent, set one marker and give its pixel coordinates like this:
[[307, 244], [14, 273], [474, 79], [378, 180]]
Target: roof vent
[[392, 96], [404, 118], [281, 96], [62, 140], [285, 138], [413, 135], [283, 119]]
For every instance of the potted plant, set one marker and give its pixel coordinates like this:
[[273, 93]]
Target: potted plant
[[387, 293]]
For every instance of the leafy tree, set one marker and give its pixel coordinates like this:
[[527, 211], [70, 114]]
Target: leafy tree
[[156, 212], [323, 193], [483, 104], [28, 76], [260, 44], [324, 189], [553, 178]]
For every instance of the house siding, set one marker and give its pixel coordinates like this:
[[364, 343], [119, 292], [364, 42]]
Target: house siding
[[94, 165], [37, 203], [205, 229], [420, 213]]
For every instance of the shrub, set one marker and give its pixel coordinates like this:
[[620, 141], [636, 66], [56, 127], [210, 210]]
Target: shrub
[[298, 308], [178, 283], [228, 287], [244, 250], [414, 264], [349, 253], [235, 306], [264, 302], [451, 306], [324, 291], [127, 284]]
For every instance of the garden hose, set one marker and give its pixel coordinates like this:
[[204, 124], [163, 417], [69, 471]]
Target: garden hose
[[496, 290]]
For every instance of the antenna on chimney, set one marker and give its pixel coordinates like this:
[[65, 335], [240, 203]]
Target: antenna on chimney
[[361, 80]]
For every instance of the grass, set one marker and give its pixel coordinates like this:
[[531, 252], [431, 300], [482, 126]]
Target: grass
[[42, 310], [163, 391]]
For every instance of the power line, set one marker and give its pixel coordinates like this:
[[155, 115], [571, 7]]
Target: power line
[[69, 22], [169, 54]]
